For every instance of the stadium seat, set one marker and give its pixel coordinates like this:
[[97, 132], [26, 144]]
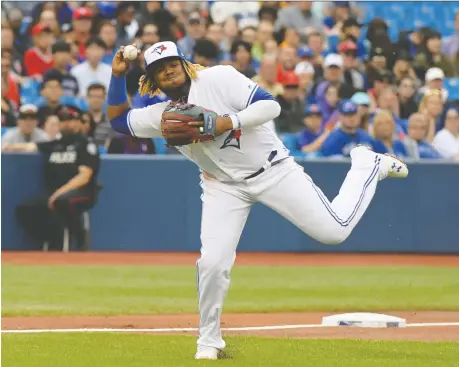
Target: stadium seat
[[4, 130], [160, 145], [289, 140], [452, 85], [30, 91], [102, 150]]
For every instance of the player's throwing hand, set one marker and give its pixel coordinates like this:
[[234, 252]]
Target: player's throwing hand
[[120, 65]]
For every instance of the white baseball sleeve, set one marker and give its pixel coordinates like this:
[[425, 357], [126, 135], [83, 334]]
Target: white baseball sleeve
[[256, 105]]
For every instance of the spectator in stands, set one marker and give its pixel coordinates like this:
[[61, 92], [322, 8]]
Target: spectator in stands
[[126, 25], [271, 48], [403, 68], [415, 143], [21, 41], [434, 81], [378, 36], [51, 91], [377, 66], [125, 144], [12, 92], [8, 110], [432, 57], [267, 14], [446, 141], [93, 70], [230, 35], [387, 101], [333, 73], [340, 12], [351, 31], [62, 59], [195, 30], [291, 38], [311, 138], [264, 33], [249, 34], [287, 63], [431, 107], [267, 76], [99, 125], [150, 34], [8, 45], [362, 100], [299, 16], [39, 59], [413, 41], [214, 33], [107, 33], [82, 24], [406, 93], [242, 57], [316, 42], [348, 135], [49, 18], [205, 53], [381, 81], [353, 77], [451, 44], [51, 127], [292, 106], [329, 107], [26, 130], [383, 132], [146, 12], [305, 72]]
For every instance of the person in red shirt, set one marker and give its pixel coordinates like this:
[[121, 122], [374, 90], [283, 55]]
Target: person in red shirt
[[82, 24], [39, 59]]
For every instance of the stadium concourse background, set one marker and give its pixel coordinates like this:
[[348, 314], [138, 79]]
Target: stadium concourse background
[[394, 59]]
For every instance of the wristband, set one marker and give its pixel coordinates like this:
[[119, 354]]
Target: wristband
[[117, 91], [236, 122]]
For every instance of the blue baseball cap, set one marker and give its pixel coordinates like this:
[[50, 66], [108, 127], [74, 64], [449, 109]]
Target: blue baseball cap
[[304, 51], [347, 107], [312, 109], [361, 98]]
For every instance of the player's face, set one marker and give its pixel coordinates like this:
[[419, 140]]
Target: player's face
[[350, 121], [170, 74]]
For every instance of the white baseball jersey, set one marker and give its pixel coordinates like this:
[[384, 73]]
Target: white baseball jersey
[[233, 155]]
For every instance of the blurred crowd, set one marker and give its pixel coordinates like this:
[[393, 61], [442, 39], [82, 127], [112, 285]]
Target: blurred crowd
[[340, 81]]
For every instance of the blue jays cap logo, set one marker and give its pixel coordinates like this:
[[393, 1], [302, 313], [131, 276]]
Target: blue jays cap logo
[[159, 50]]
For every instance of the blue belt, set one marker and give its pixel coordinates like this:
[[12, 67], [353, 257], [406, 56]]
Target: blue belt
[[267, 165]]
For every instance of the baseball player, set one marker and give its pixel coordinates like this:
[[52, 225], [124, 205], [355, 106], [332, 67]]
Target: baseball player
[[242, 161]]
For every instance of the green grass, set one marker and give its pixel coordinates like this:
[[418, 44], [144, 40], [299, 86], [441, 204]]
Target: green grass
[[60, 290], [116, 350]]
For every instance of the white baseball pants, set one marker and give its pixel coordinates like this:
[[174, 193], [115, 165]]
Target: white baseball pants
[[287, 189]]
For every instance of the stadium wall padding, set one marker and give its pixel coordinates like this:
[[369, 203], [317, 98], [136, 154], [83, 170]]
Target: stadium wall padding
[[152, 203]]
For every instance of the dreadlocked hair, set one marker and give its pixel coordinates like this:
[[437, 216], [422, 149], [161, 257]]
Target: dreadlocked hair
[[148, 86]]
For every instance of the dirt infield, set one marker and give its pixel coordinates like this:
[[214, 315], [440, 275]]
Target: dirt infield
[[427, 333], [267, 259]]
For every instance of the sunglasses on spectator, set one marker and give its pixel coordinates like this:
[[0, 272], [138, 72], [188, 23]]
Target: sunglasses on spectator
[[407, 85], [350, 53], [150, 33]]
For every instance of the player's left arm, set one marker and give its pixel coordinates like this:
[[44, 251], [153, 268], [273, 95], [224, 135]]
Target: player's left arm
[[255, 105]]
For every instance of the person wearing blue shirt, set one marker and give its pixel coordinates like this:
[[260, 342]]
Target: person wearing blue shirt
[[383, 132], [348, 135], [415, 143], [311, 138]]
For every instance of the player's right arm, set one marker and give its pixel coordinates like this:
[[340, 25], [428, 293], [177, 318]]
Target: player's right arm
[[142, 122]]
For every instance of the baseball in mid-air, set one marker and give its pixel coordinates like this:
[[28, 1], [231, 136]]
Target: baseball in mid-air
[[130, 52]]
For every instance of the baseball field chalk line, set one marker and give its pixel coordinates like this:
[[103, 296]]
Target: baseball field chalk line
[[166, 330]]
